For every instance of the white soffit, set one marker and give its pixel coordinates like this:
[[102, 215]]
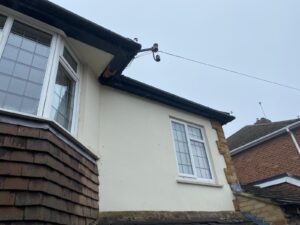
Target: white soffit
[[289, 180], [96, 59]]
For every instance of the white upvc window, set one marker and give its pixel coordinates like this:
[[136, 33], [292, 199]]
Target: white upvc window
[[191, 151], [39, 74]]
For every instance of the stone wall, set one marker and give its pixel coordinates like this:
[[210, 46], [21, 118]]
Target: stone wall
[[46, 176], [224, 150], [171, 218], [262, 208]]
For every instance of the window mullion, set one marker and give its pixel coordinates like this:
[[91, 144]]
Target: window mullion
[[52, 77], [5, 33], [47, 78], [76, 101], [210, 164], [190, 149]]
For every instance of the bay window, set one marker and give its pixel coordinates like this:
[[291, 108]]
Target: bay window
[[38, 74], [191, 151]]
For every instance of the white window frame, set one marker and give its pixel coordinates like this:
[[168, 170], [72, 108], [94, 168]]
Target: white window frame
[[60, 60], [57, 46], [204, 141]]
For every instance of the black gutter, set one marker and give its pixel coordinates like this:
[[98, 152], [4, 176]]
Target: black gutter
[[80, 29], [138, 88]]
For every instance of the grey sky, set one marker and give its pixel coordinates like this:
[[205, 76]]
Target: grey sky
[[251, 36]]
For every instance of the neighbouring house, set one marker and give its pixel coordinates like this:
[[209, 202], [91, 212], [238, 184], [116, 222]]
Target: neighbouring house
[[266, 156], [77, 137]]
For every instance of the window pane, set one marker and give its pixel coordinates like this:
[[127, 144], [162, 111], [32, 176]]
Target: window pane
[[22, 68], [63, 98], [182, 151], [2, 21], [70, 59], [30, 34], [200, 160], [195, 132]]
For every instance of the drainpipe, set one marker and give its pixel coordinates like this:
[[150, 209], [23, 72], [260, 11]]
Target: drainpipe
[[294, 139]]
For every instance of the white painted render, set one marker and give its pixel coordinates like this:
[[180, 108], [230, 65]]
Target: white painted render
[[132, 136]]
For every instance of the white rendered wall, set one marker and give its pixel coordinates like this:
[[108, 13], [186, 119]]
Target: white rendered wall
[[132, 136]]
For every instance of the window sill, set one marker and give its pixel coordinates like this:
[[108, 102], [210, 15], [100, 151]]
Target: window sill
[[197, 182]]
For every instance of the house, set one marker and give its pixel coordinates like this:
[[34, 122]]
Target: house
[[77, 137], [266, 156]]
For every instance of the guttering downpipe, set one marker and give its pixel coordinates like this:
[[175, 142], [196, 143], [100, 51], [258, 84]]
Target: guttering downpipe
[[294, 139], [267, 137]]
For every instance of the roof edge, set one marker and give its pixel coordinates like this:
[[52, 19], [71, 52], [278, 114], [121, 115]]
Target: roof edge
[[81, 29], [138, 88], [264, 138], [277, 179]]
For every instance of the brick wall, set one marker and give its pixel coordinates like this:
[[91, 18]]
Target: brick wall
[[285, 187], [43, 179], [270, 158]]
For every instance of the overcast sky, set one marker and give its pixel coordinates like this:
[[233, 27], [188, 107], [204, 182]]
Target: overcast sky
[[251, 36]]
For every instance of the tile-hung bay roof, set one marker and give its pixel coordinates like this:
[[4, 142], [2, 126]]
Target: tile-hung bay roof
[[252, 132]]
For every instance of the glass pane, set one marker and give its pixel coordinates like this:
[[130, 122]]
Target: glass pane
[[42, 50], [17, 86], [36, 75], [21, 71], [40, 62], [195, 132], [22, 68], [63, 98], [200, 160], [25, 57], [12, 102], [30, 33], [4, 82], [70, 59], [6, 66], [2, 21], [11, 52], [15, 40], [28, 45], [29, 106], [2, 97], [33, 90], [182, 151]]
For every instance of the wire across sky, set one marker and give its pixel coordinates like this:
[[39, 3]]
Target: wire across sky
[[231, 71]]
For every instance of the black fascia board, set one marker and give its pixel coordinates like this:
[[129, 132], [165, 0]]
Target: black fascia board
[[79, 28], [138, 88]]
